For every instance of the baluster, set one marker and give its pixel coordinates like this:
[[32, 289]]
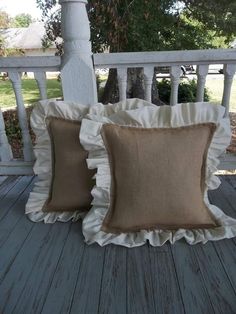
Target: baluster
[[40, 78], [15, 78], [5, 148], [77, 72], [202, 71], [122, 82], [175, 73], [229, 71], [148, 76]]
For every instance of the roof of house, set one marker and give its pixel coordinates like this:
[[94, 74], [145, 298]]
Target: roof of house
[[25, 38], [233, 44]]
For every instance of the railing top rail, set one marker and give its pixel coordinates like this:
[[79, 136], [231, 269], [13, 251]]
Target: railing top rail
[[30, 64], [136, 59]]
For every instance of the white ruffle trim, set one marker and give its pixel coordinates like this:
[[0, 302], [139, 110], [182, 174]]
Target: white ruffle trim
[[42, 149], [164, 116]]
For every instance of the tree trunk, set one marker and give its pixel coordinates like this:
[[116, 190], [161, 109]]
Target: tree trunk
[[110, 92], [135, 87]]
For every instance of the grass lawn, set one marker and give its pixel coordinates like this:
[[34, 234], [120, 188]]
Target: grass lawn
[[29, 90], [215, 86]]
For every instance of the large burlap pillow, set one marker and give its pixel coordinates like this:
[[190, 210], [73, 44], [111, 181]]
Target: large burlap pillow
[[153, 182], [62, 191], [154, 167]]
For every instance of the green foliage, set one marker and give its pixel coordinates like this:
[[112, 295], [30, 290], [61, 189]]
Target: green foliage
[[187, 91], [13, 130], [22, 20], [152, 24], [217, 15]]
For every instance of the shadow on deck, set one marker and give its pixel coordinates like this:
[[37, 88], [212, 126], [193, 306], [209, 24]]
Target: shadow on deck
[[49, 269]]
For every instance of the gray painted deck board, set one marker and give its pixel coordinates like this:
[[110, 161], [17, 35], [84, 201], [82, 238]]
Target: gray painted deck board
[[113, 287], [219, 288], [140, 293], [87, 292], [194, 293], [14, 215], [66, 274], [6, 184], [11, 197], [167, 297], [48, 268], [32, 300]]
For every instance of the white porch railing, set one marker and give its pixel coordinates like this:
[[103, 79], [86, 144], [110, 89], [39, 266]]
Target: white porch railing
[[174, 59], [14, 66], [79, 83]]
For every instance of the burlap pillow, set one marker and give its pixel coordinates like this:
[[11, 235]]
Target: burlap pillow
[[157, 177], [71, 182], [154, 168]]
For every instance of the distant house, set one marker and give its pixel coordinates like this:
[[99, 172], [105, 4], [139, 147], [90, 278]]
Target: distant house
[[233, 44], [27, 39]]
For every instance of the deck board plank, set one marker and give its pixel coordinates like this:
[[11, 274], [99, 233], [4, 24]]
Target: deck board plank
[[113, 287], [225, 198], [12, 195], [194, 293], [167, 298], [140, 294], [87, 292], [220, 290], [231, 180], [58, 298], [11, 219], [19, 272], [7, 185], [226, 249], [36, 288], [2, 179]]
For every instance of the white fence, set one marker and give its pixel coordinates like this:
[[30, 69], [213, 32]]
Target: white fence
[[15, 66], [121, 61], [173, 59]]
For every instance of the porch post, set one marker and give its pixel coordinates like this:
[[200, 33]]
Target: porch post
[[77, 72]]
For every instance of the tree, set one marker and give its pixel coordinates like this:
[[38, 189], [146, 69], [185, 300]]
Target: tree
[[5, 19], [22, 20], [6, 22], [145, 25]]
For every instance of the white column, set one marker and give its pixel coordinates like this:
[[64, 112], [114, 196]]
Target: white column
[[122, 82], [175, 72], [229, 71], [40, 78], [15, 78], [77, 72], [5, 148], [148, 76], [202, 71]]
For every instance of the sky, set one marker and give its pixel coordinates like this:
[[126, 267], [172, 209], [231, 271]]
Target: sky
[[14, 7]]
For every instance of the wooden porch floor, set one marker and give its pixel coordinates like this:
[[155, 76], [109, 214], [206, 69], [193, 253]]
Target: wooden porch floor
[[49, 269]]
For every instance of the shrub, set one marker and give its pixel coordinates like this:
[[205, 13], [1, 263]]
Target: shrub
[[187, 91], [13, 130]]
